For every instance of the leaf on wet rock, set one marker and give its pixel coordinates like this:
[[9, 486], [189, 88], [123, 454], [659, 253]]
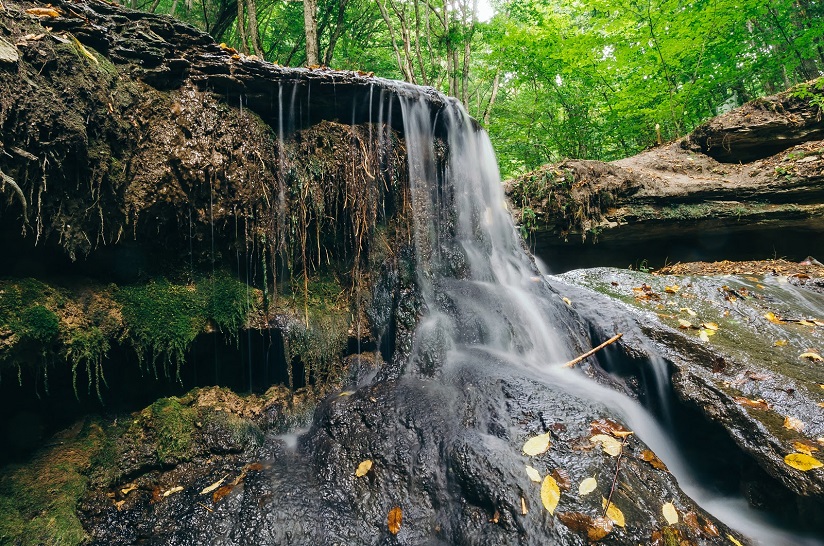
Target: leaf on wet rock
[[364, 467], [703, 335], [792, 423], [537, 445], [608, 426], [653, 460], [209, 489], [802, 461], [550, 494], [684, 323], [670, 513], [609, 444], [812, 356], [128, 489], [394, 520], [524, 511], [613, 512], [44, 12], [709, 326], [222, 492], [567, 301], [173, 490], [672, 289], [805, 447], [755, 404], [688, 311], [533, 474], [594, 528], [780, 343], [774, 319], [732, 539], [562, 478], [587, 486]]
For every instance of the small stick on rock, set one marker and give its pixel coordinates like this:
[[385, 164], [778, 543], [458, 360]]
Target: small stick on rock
[[615, 477], [575, 361]]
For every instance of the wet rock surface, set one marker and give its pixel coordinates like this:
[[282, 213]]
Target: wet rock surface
[[457, 481], [756, 375]]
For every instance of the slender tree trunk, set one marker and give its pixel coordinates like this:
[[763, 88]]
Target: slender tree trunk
[[333, 38], [254, 31], [496, 83], [241, 27], [310, 23]]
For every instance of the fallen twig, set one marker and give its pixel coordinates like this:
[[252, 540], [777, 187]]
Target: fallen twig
[[575, 361], [617, 468]]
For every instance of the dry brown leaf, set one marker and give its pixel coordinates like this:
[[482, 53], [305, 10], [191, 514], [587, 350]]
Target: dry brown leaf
[[613, 512], [533, 474], [791, 423], [562, 478], [812, 356], [755, 404], [550, 494], [496, 517], [802, 461], [364, 467], [670, 513], [537, 445], [587, 486], [608, 426], [653, 460], [594, 528], [609, 444], [119, 504], [222, 492], [394, 520]]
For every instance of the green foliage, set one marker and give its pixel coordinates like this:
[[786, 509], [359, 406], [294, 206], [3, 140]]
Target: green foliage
[[163, 319], [39, 325], [89, 348]]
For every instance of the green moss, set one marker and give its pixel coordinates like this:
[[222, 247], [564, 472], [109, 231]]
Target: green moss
[[173, 424], [38, 502], [39, 325], [163, 319], [88, 348]]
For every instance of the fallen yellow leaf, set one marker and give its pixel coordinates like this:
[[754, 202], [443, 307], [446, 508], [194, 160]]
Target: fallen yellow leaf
[[802, 461], [43, 12], [173, 490], [567, 301], [780, 343], [537, 445], [587, 486], [732, 539], [703, 335], [772, 318], [684, 323], [672, 289], [709, 325], [613, 512], [812, 356], [670, 513], [394, 520], [688, 311], [129, 488], [804, 448], [550, 494], [363, 468], [791, 423], [609, 444], [533, 474], [523, 507]]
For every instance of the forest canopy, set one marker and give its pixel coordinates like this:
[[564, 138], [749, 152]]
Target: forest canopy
[[598, 79]]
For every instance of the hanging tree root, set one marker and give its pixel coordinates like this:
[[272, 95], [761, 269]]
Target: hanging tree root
[[6, 179], [575, 361]]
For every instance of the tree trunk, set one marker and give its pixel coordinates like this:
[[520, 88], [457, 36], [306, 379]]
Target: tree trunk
[[310, 23], [496, 83], [241, 27], [254, 32]]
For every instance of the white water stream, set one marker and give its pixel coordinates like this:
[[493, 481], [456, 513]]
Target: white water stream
[[485, 295]]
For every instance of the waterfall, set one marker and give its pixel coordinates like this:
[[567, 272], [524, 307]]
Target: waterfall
[[487, 302]]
